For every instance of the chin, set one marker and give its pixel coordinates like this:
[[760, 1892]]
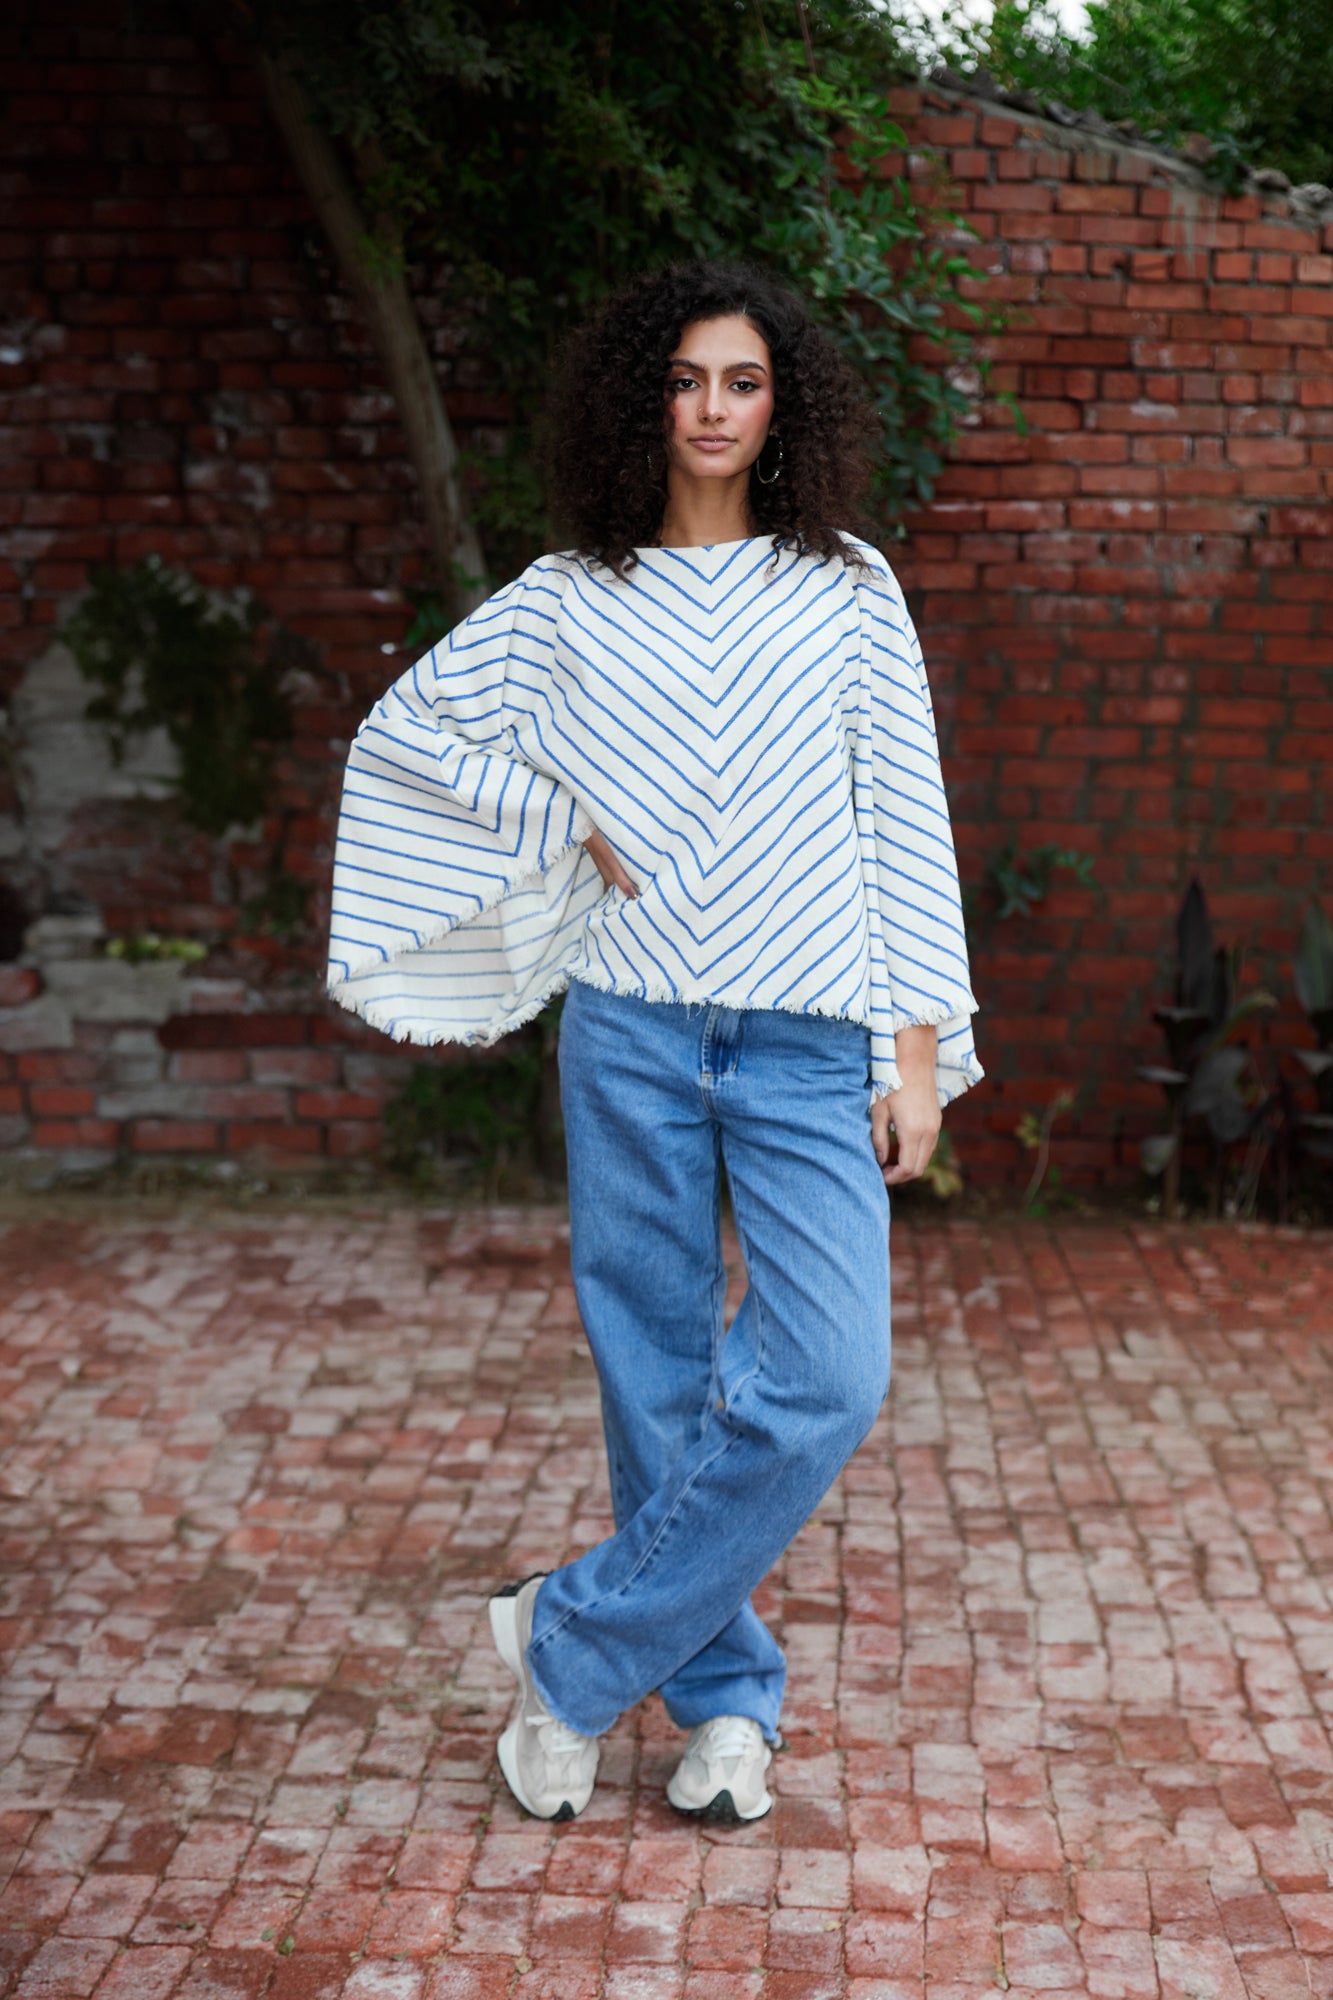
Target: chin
[[709, 468]]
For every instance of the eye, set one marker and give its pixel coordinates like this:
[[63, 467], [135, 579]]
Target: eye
[[681, 382], [744, 382]]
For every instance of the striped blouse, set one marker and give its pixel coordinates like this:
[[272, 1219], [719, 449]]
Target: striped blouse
[[753, 735]]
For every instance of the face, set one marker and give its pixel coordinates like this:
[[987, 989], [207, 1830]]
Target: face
[[719, 398]]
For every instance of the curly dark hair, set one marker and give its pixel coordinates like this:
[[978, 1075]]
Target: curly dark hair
[[607, 457]]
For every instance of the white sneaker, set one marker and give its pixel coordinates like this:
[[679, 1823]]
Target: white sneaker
[[548, 1766], [721, 1775]]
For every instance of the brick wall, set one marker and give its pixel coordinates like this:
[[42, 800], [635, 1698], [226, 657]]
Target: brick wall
[[1128, 609], [181, 374]]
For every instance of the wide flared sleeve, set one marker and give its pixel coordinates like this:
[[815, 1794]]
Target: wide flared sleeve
[[459, 885], [919, 964]]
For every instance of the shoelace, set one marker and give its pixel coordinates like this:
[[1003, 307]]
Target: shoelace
[[729, 1736], [558, 1739]]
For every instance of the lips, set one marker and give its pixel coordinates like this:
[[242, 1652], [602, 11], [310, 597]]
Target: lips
[[712, 443]]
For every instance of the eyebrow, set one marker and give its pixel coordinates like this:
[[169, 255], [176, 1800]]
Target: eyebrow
[[732, 367]]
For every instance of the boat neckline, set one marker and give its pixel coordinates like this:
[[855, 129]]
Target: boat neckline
[[696, 548]]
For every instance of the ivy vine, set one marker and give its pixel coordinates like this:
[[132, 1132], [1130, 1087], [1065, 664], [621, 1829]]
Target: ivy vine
[[166, 654]]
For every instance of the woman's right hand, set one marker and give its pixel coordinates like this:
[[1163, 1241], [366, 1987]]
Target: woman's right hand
[[609, 865]]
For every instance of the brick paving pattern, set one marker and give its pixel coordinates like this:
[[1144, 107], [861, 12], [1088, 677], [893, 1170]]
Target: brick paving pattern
[[1060, 1638]]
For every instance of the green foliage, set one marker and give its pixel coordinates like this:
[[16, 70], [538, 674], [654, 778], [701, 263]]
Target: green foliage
[[1313, 972], [538, 152], [146, 947], [1020, 880], [944, 1174], [495, 1117], [280, 907], [1205, 1077], [165, 655], [1033, 1132], [1255, 76], [470, 1112], [1313, 978]]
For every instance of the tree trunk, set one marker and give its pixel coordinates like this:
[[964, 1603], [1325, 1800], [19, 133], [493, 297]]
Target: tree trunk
[[396, 331]]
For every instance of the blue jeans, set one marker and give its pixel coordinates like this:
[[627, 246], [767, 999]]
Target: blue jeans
[[719, 1449]]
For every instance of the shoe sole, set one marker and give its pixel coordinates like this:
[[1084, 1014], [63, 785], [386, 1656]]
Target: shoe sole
[[503, 1610], [723, 1810]]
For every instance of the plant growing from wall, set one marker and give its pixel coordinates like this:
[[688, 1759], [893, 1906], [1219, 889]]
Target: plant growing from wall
[[1313, 973], [146, 947], [1019, 881], [1205, 1076], [1034, 1132], [166, 655], [495, 1116], [1255, 76], [1284, 1135]]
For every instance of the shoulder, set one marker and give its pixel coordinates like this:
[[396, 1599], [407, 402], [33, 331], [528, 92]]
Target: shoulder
[[546, 578], [873, 572], [521, 604]]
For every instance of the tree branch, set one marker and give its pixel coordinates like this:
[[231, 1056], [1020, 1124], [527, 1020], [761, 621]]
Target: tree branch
[[396, 331]]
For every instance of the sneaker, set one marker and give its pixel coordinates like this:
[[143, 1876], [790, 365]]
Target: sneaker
[[548, 1767], [721, 1775]]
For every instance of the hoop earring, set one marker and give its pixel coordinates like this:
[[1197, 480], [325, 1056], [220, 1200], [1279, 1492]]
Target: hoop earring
[[776, 474]]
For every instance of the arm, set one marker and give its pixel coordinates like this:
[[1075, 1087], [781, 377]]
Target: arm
[[921, 1037], [910, 1114], [440, 818]]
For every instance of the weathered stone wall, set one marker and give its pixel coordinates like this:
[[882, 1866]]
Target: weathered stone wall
[[1127, 609]]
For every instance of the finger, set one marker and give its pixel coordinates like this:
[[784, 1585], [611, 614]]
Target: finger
[[914, 1152]]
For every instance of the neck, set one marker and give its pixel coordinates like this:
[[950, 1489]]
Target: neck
[[705, 510]]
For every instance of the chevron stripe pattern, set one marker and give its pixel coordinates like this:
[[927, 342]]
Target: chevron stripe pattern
[[754, 736]]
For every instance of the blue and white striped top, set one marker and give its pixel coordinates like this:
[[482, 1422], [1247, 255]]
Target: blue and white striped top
[[755, 738]]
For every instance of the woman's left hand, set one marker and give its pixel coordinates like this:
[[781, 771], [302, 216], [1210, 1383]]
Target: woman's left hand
[[913, 1112]]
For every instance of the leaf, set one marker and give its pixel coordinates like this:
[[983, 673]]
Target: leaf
[[1214, 1094], [1155, 1152], [1170, 1079], [1194, 950], [1255, 1002], [1313, 965]]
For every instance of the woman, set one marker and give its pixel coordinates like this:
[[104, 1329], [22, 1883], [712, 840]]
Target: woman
[[689, 771]]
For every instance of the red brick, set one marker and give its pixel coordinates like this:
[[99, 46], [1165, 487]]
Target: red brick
[[272, 1137], [207, 1066], [56, 1065], [229, 1031], [172, 1135], [77, 1132], [60, 1101], [294, 1066], [19, 983]]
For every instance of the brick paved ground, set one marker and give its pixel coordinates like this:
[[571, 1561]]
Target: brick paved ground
[[1060, 1641]]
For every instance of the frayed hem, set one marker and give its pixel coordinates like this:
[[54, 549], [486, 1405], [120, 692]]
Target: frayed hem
[[430, 1036], [936, 1013], [660, 992], [950, 1081]]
